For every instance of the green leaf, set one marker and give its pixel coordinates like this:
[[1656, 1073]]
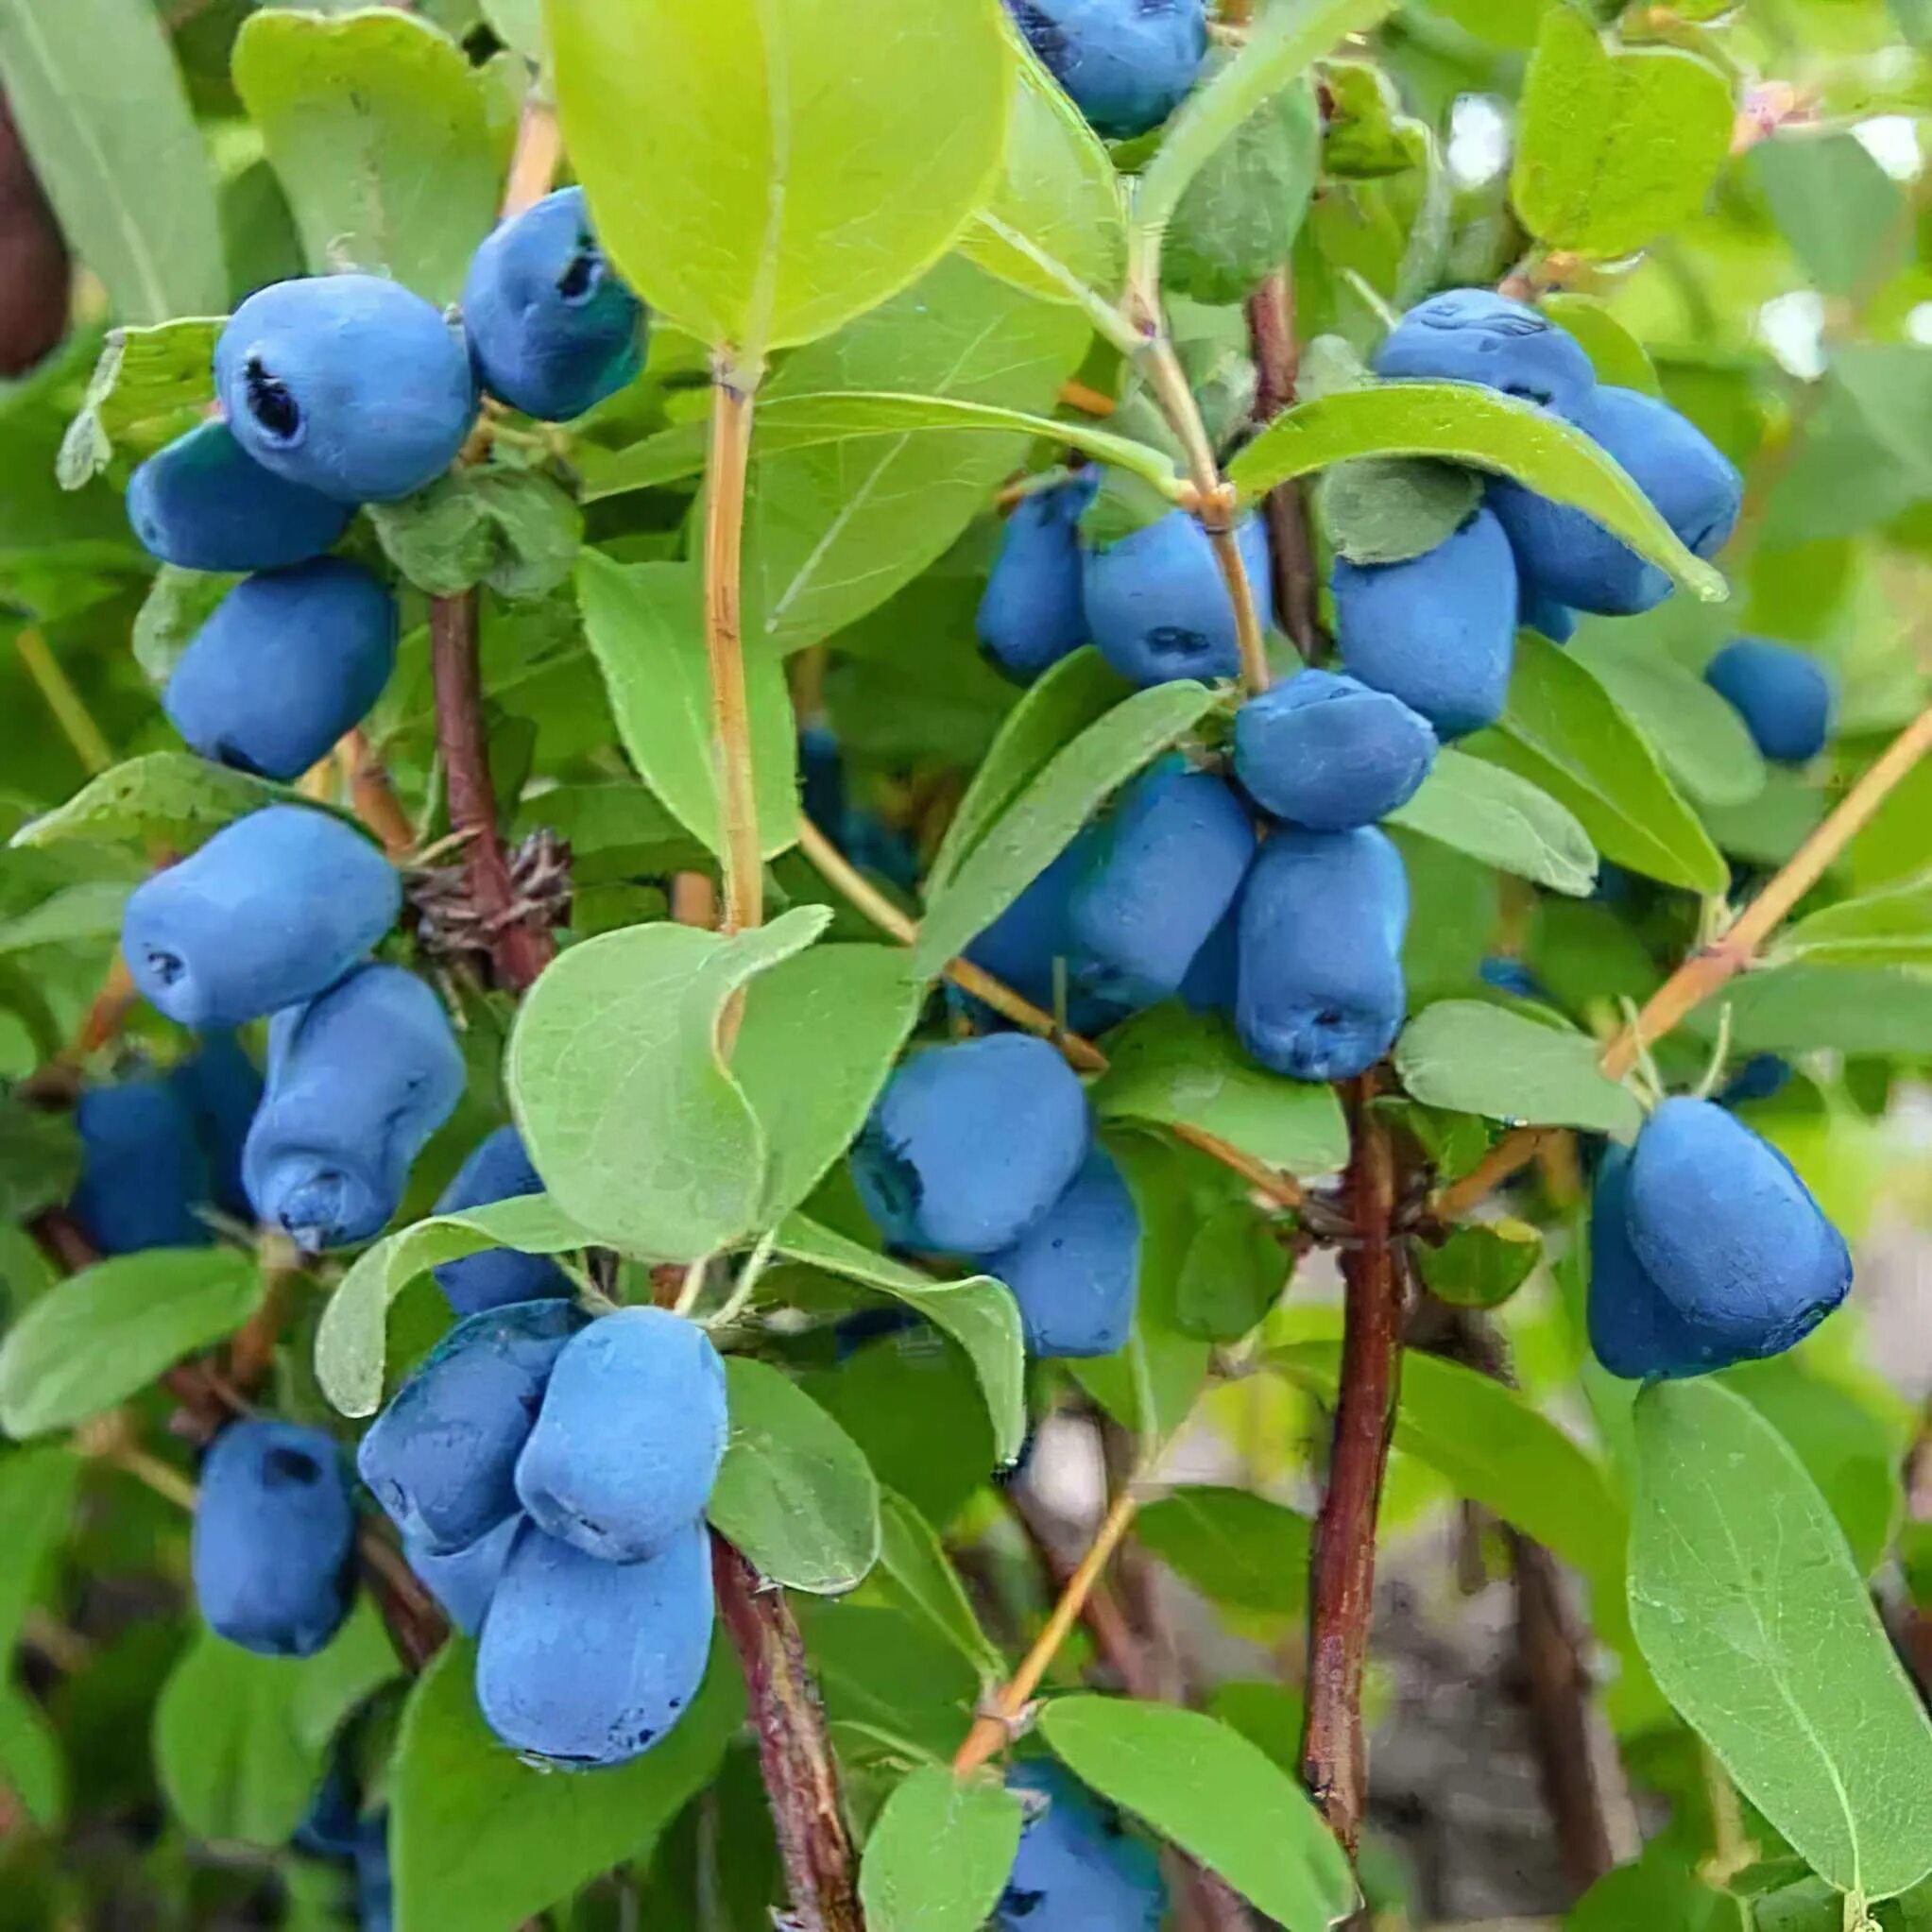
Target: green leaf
[[1386, 509], [940, 1853], [78, 915], [1176, 1068], [977, 1312], [1502, 819], [796, 1493], [482, 1842], [819, 1037], [1460, 423], [1237, 1548], [1616, 354], [177, 604], [40, 1159], [37, 1492], [789, 423], [241, 1741], [916, 1573], [1884, 929], [1563, 730], [170, 798], [1076, 692], [1053, 223], [512, 529], [1796, 1008], [1237, 221], [1701, 739], [641, 1131], [1475, 1058], [836, 530], [1839, 209], [93, 87], [1214, 1794], [1494, 1447], [1752, 1615], [1281, 45], [646, 627], [1482, 1264], [149, 387], [352, 1339], [1614, 148], [617, 831], [1232, 1273], [380, 132], [31, 1764], [717, 144], [1043, 819], [113, 1328]]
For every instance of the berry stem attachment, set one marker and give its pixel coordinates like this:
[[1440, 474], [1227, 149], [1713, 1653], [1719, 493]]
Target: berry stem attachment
[[1709, 970], [726, 475]]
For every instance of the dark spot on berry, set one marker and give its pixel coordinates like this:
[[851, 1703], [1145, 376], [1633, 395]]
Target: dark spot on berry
[[168, 968], [582, 273], [1045, 37], [1173, 641], [1329, 1016], [228, 753], [1015, 1904], [271, 403], [290, 1469]]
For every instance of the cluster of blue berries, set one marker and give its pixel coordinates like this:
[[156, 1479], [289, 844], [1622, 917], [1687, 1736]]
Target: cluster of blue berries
[[985, 1151], [549, 1474]]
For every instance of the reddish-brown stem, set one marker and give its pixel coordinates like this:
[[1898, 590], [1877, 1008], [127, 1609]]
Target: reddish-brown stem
[[1570, 1744], [794, 1751], [1342, 1575], [1277, 364], [518, 950], [35, 276]]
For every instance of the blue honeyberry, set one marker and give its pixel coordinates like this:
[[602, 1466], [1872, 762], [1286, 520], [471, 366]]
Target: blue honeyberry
[[274, 1538], [552, 330], [1786, 699], [1727, 1230], [348, 385], [1030, 945], [441, 1459], [1568, 557], [1636, 1331], [632, 1430], [970, 1144], [464, 1580], [498, 1168], [222, 1088], [1438, 631], [274, 908], [375, 1889], [1320, 992], [1156, 604], [1762, 1077], [143, 1171], [1075, 1273], [289, 661], [1476, 335], [1160, 875], [1127, 64], [1543, 615], [204, 504], [1032, 614], [584, 1662], [358, 1080], [1078, 1869], [1328, 753]]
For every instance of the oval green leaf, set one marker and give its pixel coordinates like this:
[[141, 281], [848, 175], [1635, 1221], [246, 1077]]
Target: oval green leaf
[[940, 1853], [764, 170], [1502, 819], [113, 1328], [1214, 1794], [1751, 1613], [1475, 1058]]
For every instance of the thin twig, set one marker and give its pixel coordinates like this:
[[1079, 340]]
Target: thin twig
[[69, 712], [1282, 1190], [1342, 1573], [1711, 968]]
